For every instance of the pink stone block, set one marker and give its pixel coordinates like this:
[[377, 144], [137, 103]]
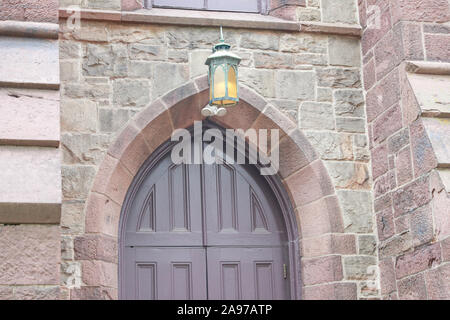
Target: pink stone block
[[419, 10], [102, 215], [423, 154], [379, 161], [99, 273], [412, 288], [322, 270], [320, 217], [419, 260], [29, 117], [438, 283], [383, 95], [387, 123], [96, 247], [328, 244], [30, 10], [387, 276], [437, 47], [403, 166], [334, 291], [316, 177], [29, 254]]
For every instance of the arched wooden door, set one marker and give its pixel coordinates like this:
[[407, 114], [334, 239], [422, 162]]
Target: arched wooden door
[[203, 232]]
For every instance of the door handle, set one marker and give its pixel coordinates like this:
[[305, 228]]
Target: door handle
[[284, 271]]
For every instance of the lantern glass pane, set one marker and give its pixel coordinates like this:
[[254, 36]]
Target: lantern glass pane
[[219, 83], [232, 83]]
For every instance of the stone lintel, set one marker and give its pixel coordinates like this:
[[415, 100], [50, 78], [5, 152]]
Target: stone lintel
[[207, 18]]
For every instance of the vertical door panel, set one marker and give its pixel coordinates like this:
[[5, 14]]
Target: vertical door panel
[[164, 273], [246, 273], [166, 210], [240, 208]]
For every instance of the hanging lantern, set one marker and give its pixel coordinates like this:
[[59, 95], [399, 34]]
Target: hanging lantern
[[223, 79]]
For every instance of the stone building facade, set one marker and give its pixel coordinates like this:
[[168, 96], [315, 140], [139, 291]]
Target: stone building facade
[[360, 91]]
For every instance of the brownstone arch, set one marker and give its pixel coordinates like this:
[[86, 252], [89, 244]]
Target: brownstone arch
[[311, 192]]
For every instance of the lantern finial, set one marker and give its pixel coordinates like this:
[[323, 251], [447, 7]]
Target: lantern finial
[[221, 35]]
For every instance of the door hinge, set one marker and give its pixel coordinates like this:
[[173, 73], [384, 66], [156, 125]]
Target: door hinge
[[284, 271]]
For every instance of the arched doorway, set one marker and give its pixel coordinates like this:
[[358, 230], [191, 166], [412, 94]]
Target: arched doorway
[[198, 231]]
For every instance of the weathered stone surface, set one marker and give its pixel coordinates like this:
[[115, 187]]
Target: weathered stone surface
[[412, 196], [197, 60], [295, 85], [31, 184], [360, 268], [349, 103], [72, 217], [416, 10], [321, 270], [104, 4], [387, 123], [105, 60], [29, 254], [93, 293], [38, 58], [324, 95], [334, 291], [77, 181], [112, 120], [29, 117], [131, 93], [398, 141], [352, 125], [360, 149], [78, 116], [308, 14], [179, 74], [330, 145], [383, 95], [385, 183], [387, 276], [412, 288], [395, 245], [178, 56], [140, 69], [339, 78], [357, 210], [438, 283], [349, 175], [419, 260], [69, 49], [315, 115], [388, 54], [288, 107], [36, 293], [432, 93], [92, 91], [328, 244], [344, 51], [29, 10], [273, 60], [403, 166], [379, 161], [385, 224], [84, 148], [138, 51], [438, 132], [96, 247], [301, 42], [196, 38], [263, 41], [345, 12], [98, 273], [367, 245], [262, 81]]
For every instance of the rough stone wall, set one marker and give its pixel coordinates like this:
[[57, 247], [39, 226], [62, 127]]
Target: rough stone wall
[[109, 72], [411, 205]]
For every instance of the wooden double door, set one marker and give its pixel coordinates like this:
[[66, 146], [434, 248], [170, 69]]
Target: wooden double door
[[204, 232]]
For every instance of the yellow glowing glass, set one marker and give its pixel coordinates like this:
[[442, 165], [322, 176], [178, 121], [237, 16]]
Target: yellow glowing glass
[[232, 88], [219, 83]]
